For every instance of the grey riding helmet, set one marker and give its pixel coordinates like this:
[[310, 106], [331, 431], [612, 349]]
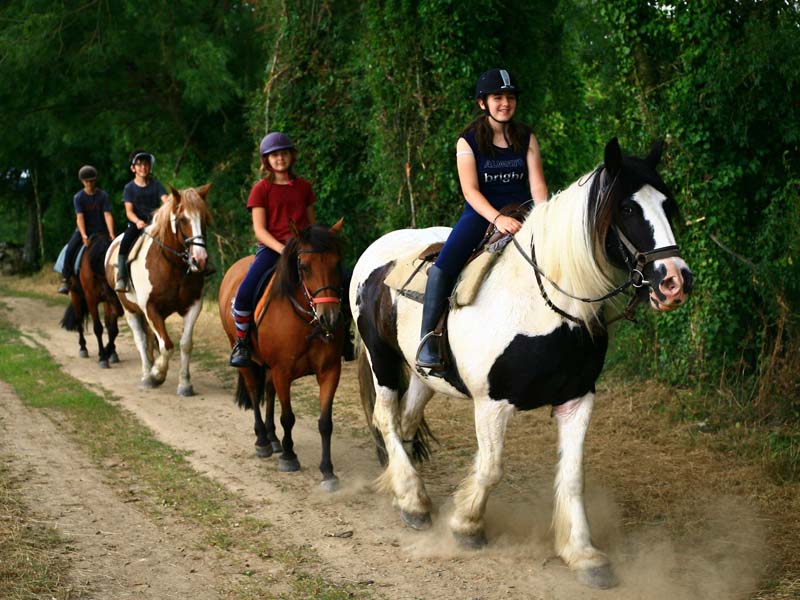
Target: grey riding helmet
[[275, 141], [142, 155], [87, 173], [496, 81]]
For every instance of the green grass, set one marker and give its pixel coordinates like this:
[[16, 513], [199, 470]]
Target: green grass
[[112, 436]]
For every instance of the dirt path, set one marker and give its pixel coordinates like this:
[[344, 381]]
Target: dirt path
[[396, 563]]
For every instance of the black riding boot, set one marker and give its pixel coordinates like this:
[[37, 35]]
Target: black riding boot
[[438, 288], [122, 274], [240, 355], [64, 289]]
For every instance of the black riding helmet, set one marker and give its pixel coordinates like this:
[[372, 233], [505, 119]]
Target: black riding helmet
[[495, 81]]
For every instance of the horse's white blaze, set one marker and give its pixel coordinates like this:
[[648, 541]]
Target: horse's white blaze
[[198, 252], [571, 527], [652, 203]]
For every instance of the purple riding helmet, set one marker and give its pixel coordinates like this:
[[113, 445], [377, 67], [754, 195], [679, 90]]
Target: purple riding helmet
[[275, 141]]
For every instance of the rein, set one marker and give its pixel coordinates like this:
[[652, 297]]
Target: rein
[[184, 257]]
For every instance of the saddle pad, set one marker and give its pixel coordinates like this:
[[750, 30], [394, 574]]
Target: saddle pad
[[402, 276]]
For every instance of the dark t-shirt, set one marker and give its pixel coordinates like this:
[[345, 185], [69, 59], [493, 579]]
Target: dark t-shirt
[[92, 207], [283, 203], [502, 178], [145, 199]]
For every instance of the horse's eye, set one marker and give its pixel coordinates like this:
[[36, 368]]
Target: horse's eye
[[627, 210], [304, 268]]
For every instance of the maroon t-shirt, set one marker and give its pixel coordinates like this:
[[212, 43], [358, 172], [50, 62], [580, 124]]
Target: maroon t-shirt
[[283, 204]]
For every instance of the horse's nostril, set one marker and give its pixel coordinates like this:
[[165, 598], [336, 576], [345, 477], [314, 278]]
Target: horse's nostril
[[670, 285]]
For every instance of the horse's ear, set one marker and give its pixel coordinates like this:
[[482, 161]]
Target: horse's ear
[[293, 228], [613, 157], [176, 195], [655, 153], [338, 226], [203, 191]]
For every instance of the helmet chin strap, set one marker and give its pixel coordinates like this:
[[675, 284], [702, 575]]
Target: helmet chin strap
[[503, 124]]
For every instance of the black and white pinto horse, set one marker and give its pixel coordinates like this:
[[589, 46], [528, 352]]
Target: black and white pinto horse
[[534, 335]]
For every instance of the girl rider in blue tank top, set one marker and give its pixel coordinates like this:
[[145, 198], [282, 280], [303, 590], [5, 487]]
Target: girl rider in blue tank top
[[498, 163]]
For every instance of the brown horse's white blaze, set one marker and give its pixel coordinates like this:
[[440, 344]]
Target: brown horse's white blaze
[[511, 349]]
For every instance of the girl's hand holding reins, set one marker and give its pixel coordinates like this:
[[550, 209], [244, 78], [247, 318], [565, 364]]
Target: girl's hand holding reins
[[505, 224]]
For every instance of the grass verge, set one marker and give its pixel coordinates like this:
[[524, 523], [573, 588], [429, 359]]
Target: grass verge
[[126, 450]]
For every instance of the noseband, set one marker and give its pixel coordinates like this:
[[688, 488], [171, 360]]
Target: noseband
[[313, 300]]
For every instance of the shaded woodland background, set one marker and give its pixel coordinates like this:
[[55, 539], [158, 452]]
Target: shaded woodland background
[[375, 93]]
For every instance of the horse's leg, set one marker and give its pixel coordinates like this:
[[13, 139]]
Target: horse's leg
[[466, 523], [270, 436], [112, 328], [141, 332], [572, 538], [75, 301], [328, 382], [189, 319], [158, 372], [287, 461], [412, 410], [400, 477], [97, 327]]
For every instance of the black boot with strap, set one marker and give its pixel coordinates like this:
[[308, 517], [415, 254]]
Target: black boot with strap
[[437, 290]]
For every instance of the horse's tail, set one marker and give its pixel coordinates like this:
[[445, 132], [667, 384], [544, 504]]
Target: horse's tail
[[421, 444], [72, 322], [242, 397]]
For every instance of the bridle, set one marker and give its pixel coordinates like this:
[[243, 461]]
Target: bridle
[[185, 257], [313, 300], [635, 259]]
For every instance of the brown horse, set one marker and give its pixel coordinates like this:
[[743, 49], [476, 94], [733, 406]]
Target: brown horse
[[87, 291], [299, 330], [167, 274]]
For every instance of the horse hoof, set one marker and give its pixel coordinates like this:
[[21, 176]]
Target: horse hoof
[[329, 484], [417, 521], [185, 390], [103, 364], [471, 542], [276, 446], [597, 577], [83, 354], [147, 384], [288, 465], [113, 359], [264, 451]]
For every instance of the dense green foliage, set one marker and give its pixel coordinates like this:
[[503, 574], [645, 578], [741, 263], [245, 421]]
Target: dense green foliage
[[375, 93]]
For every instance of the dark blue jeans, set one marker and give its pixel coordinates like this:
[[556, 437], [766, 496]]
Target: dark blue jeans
[[466, 235], [266, 258]]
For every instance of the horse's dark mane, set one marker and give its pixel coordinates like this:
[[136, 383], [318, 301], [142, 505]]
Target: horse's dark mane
[[97, 253], [316, 238]]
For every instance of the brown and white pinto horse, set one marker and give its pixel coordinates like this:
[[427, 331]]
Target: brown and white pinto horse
[[87, 291], [298, 330], [534, 335], [167, 275]]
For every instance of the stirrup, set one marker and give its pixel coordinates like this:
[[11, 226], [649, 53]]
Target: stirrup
[[121, 285], [432, 367]]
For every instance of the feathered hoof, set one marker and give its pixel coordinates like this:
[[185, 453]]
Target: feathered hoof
[[83, 353], [185, 390], [113, 358], [601, 577], [329, 484], [103, 364], [475, 541], [288, 465], [147, 383], [417, 521]]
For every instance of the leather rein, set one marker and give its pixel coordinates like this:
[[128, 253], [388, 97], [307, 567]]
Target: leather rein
[[312, 300]]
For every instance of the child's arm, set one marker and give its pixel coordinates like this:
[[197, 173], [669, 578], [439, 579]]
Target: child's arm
[[80, 220], [132, 216], [312, 218], [109, 223], [260, 230]]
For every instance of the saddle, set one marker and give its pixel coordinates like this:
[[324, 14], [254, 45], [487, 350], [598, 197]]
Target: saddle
[[409, 276]]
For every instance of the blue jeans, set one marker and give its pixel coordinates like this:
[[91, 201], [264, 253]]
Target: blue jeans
[[266, 258]]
